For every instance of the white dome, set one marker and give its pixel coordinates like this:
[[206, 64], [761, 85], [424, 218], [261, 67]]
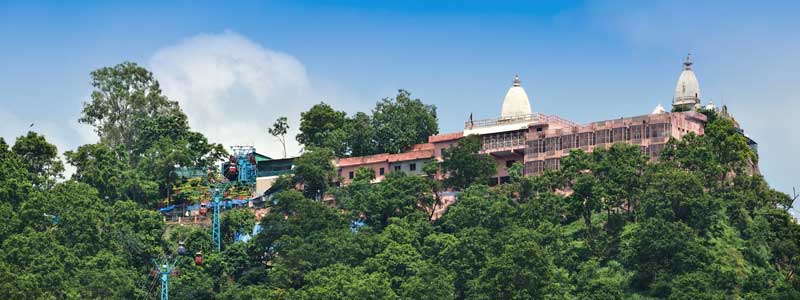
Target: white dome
[[658, 110], [687, 91], [516, 102], [711, 106]]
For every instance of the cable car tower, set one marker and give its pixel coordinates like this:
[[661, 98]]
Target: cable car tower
[[165, 269], [239, 170]]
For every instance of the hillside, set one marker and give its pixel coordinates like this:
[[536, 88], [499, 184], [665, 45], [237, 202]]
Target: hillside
[[611, 224]]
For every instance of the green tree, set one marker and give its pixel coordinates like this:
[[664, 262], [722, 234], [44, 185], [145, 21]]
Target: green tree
[[402, 121], [361, 135], [464, 164], [323, 127], [523, 270], [123, 95], [40, 157], [314, 170], [239, 221], [278, 130]]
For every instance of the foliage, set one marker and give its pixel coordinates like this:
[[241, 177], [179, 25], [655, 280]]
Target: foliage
[[394, 125], [464, 165], [143, 137], [697, 224], [401, 122], [40, 158], [278, 130], [314, 170]]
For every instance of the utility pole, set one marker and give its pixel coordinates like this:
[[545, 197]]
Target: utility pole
[[164, 269]]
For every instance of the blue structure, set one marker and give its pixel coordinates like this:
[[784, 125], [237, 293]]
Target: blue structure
[[246, 166], [164, 269], [216, 235]]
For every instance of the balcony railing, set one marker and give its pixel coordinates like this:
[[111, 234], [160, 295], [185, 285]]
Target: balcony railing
[[537, 118], [267, 173]]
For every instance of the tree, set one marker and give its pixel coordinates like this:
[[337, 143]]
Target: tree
[[41, 159], [361, 135], [108, 171], [523, 270], [278, 130], [237, 221], [323, 127], [401, 122], [147, 130], [464, 164], [123, 94], [314, 170]]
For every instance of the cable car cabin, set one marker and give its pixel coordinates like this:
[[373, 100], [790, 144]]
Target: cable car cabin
[[153, 273], [181, 249], [203, 209], [230, 171], [176, 272], [198, 258], [232, 159]]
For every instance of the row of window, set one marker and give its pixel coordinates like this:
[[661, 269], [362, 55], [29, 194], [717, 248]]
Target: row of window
[[382, 171], [538, 166], [503, 140], [599, 137]]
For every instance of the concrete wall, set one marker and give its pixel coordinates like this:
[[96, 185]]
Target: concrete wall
[[405, 166]]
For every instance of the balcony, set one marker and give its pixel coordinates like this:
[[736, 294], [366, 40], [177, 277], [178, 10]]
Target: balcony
[[537, 118]]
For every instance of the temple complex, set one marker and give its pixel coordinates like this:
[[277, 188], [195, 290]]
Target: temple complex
[[540, 141]]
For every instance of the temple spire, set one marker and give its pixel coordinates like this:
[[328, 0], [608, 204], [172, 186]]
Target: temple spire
[[687, 63]]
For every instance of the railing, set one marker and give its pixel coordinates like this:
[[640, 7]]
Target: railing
[[267, 173], [532, 118]]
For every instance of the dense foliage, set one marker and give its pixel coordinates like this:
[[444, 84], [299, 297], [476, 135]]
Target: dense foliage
[[698, 224], [395, 125]]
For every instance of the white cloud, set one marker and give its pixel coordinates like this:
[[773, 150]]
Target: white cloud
[[233, 89]]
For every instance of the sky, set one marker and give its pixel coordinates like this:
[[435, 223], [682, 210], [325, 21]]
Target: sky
[[236, 66]]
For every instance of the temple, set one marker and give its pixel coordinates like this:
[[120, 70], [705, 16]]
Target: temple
[[540, 141]]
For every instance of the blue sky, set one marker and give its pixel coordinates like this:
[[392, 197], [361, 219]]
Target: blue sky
[[255, 61]]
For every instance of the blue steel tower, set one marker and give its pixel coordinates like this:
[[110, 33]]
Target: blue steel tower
[[246, 168], [164, 269]]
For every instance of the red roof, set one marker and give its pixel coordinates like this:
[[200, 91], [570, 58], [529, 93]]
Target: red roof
[[363, 160], [425, 146], [413, 155], [445, 137]]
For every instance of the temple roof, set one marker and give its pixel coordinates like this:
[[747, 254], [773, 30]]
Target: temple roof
[[516, 101], [687, 91]]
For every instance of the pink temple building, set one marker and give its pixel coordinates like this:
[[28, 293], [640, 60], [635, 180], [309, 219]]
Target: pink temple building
[[539, 141]]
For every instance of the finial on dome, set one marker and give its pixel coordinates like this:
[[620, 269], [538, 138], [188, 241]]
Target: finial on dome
[[687, 63], [516, 80]]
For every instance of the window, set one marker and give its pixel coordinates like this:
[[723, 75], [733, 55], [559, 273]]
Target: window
[[350, 174], [533, 167], [618, 134], [382, 171], [397, 168], [659, 130], [412, 167], [567, 142], [636, 132], [602, 136], [510, 163]]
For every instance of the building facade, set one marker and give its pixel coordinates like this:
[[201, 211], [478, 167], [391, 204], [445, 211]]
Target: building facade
[[540, 141]]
